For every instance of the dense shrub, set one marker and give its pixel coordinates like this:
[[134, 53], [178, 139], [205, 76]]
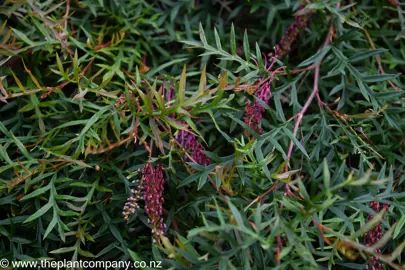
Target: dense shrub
[[211, 134]]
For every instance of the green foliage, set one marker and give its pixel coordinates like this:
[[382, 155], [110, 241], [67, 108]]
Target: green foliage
[[84, 105]]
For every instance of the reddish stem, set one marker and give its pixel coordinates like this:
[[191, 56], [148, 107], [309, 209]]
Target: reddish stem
[[313, 94]]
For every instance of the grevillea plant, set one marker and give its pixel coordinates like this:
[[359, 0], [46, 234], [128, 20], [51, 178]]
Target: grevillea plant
[[203, 134]]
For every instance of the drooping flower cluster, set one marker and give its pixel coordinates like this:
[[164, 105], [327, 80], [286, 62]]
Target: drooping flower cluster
[[150, 188], [188, 140], [132, 203], [284, 46], [193, 147], [254, 112], [373, 236], [153, 186]]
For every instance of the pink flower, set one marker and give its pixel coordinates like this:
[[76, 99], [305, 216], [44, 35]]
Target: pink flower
[[254, 113], [193, 147], [151, 186], [373, 236], [132, 204], [284, 46]]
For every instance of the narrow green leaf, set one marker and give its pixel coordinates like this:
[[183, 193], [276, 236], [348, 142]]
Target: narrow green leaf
[[63, 250], [236, 214], [259, 56], [202, 36], [86, 254], [36, 193], [23, 37], [176, 124], [5, 156], [303, 190], [203, 179], [203, 82], [17, 80], [76, 66], [116, 233], [295, 141], [158, 97], [182, 88], [40, 212], [134, 256], [246, 47], [59, 64], [51, 225], [326, 178], [190, 179], [217, 39], [366, 54], [226, 136], [389, 94], [219, 213], [369, 225], [17, 142], [233, 40], [400, 226], [378, 77], [314, 59], [93, 120], [363, 89]]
